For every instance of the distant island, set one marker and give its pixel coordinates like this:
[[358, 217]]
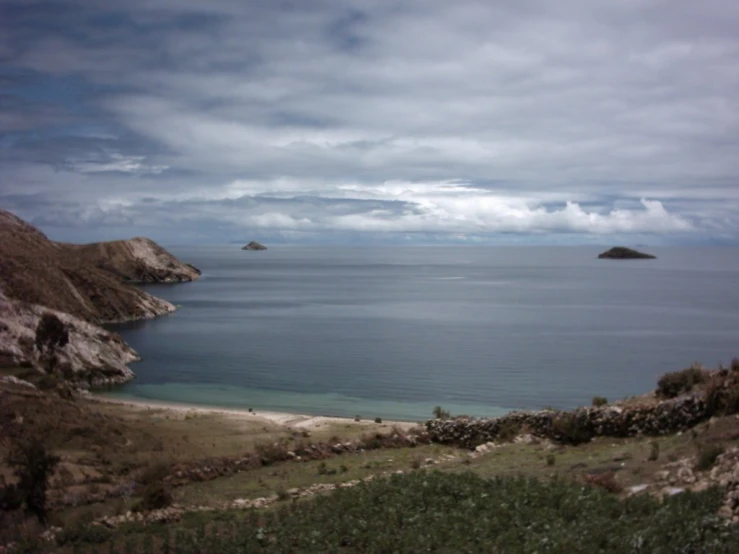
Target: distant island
[[254, 245], [623, 253]]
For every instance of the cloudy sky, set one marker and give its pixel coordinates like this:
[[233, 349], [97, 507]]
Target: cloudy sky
[[407, 120]]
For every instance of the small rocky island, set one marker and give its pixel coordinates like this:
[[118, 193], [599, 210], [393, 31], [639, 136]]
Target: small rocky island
[[254, 245], [623, 253]]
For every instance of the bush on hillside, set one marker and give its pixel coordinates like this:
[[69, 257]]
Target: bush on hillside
[[570, 429], [33, 465], [707, 455], [599, 401], [156, 496], [441, 413], [673, 384]]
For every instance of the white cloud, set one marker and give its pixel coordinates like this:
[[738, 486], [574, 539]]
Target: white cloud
[[432, 116]]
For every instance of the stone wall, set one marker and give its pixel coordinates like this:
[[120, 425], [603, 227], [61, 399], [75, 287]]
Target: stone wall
[[581, 425]]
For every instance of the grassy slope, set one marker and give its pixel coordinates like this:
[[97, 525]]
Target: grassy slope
[[103, 444]]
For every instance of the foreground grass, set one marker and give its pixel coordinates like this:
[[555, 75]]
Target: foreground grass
[[445, 512]]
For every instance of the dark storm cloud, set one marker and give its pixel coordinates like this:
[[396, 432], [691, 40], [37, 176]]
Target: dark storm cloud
[[467, 118]]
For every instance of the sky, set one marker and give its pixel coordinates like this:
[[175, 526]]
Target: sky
[[413, 121]]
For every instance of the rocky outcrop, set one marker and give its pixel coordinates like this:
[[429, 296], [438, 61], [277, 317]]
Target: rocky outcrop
[[78, 280], [623, 253], [254, 245], [726, 474], [92, 357], [85, 285], [137, 260]]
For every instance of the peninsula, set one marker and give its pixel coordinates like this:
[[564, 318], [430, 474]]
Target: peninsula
[[84, 287]]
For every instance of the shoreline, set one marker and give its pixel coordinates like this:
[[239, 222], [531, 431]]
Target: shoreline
[[284, 419]]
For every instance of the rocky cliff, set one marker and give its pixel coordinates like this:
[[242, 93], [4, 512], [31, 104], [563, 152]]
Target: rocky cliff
[[88, 285], [138, 260], [92, 357]]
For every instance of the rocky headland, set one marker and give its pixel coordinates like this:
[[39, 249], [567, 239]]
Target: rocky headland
[[623, 253], [254, 245], [84, 286]]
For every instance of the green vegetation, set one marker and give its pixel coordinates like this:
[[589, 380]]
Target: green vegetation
[[440, 413], [653, 451], [707, 455], [570, 429], [156, 496], [673, 384], [423, 512], [51, 335], [32, 464], [599, 401]]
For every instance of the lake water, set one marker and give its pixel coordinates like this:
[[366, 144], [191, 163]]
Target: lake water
[[393, 332]]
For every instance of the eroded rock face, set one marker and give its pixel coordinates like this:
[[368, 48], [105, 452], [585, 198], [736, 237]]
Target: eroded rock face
[[137, 260], [90, 282], [254, 245], [85, 286], [623, 253], [93, 356]]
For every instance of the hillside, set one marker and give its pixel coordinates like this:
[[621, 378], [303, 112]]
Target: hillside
[[87, 281], [85, 285], [191, 480]]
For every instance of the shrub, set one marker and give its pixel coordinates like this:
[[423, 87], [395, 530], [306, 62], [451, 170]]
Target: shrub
[[440, 413], [81, 533], [551, 459], [508, 430], [720, 400], [605, 480], [152, 474], [599, 401], [570, 429], [730, 404], [282, 494], [653, 451], [357, 418], [415, 462], [378, 420], [734, 364], [156, 496], [707, 455], [272, 452], [673, 384], [51, 335], [33, 465]]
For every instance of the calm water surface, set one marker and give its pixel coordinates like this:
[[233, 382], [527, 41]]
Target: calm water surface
[[392, 332]]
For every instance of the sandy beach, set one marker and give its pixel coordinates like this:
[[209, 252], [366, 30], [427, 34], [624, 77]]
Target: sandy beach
[[292, 421]]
